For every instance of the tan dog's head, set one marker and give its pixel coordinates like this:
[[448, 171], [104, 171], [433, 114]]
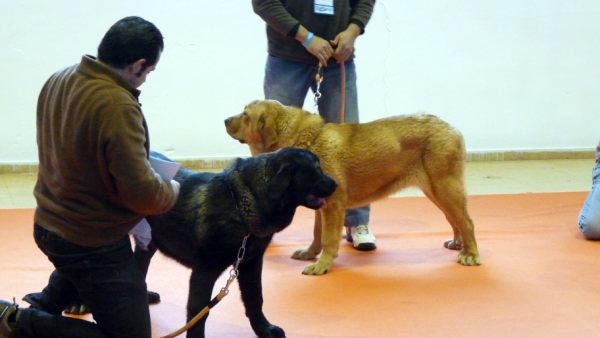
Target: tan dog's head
[[256, 126]]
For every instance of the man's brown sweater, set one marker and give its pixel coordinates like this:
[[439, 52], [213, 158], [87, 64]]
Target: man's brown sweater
[[94, 181]]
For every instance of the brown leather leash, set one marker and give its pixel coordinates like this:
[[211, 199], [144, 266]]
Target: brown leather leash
[[233, 274], [342, 105]]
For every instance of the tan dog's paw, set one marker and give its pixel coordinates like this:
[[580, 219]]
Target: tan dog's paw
[[453, 244], [468, 259], [304, 255], [316, 269]]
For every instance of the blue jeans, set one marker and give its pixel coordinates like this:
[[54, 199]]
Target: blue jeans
[[288, 82], [105, 278], [589, 217]]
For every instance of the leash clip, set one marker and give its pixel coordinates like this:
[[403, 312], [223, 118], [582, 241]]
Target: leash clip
[[318, 79], [234, 272]]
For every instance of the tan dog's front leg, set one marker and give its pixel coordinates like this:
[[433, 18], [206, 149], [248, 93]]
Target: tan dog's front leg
[[315, 247], [332, 225]]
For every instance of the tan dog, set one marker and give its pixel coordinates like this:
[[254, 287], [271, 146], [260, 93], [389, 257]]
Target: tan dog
[[368, 161]]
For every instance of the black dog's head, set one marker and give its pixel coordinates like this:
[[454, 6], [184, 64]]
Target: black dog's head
[[298, 176], [287, 178]]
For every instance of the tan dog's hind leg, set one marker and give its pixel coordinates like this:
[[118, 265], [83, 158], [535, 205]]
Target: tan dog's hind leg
[[332, 225], [315, 247], [449, 195]]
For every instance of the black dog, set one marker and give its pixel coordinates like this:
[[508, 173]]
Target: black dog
[[256, 196]]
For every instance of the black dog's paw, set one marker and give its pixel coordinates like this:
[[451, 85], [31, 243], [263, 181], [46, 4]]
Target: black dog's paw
[[272, 331], [77, 309]]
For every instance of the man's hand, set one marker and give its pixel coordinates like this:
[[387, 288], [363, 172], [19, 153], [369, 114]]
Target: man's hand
[[318, 46], [344, 42], [175, 185], [321, 49]]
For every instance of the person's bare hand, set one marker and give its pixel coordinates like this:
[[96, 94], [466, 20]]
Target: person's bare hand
[[176, 186], [321, 49], [344, 43]]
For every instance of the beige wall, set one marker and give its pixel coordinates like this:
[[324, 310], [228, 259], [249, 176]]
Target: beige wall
[[511, 75]]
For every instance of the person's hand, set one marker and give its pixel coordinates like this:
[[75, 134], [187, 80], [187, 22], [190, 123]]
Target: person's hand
[[344, 43], [321, 49], [175, 185]]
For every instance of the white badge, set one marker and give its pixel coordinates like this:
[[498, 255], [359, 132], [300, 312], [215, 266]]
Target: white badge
[[324, 7]]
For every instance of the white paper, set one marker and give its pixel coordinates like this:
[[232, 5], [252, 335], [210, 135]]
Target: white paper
[[165, 169]]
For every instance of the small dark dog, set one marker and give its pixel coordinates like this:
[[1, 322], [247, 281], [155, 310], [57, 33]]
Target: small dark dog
[[204, 231]]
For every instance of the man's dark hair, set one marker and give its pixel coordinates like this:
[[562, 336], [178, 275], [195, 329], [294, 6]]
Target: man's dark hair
[[128, 40]]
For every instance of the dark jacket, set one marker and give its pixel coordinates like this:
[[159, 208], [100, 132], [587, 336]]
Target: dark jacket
[[94, 181], [284, 16]]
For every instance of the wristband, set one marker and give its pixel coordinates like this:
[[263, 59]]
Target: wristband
[[308, 40]]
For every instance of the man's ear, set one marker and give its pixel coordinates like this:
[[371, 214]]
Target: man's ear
[[279, 183], [137, 67]]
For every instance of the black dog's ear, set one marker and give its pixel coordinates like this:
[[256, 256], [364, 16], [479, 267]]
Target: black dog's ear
[[279, 182]]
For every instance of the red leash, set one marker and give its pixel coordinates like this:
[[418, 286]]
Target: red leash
[[342, 106]]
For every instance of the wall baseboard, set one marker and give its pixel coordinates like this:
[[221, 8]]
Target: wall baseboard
[[481, 156], [18, 168], [476, 156]]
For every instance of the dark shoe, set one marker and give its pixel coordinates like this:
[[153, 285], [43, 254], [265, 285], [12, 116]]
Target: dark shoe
[[8, 317], [38, 300]]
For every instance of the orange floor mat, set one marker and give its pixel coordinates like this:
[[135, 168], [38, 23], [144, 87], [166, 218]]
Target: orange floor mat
[[539, 277]]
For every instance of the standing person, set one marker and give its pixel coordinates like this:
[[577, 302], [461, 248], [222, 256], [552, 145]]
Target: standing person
[[301, 35], [589, 217], [94, 184]]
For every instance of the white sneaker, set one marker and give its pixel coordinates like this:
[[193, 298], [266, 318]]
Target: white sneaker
[[362, 237]]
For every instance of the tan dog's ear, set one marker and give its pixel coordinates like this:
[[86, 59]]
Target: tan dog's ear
[[267, 128]]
